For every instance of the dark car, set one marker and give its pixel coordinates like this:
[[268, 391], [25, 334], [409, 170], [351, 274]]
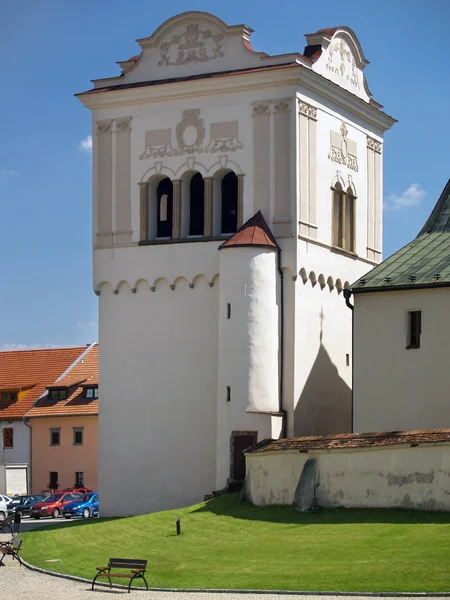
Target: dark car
[[52, 506], [23, 504]]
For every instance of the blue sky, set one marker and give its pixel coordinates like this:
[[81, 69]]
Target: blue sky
[[52, 49]]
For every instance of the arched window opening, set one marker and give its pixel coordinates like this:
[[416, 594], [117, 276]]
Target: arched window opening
[[196, 205], [344, 204], [164, 208], [229, 209]]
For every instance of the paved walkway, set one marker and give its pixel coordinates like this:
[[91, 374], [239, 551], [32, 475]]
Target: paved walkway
[[19, 583]]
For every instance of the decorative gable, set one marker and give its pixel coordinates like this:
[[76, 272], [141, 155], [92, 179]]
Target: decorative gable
[[338, 56], [194, 43]]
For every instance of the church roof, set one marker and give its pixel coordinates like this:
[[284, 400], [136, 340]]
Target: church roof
[[255, 232], [423, 263]]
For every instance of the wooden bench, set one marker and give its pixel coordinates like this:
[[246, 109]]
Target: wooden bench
[[7, 522], [11, 548], [136, 570]]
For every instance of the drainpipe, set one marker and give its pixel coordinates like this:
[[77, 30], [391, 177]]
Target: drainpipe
[[30, 473], [347, 296], [280, 400]]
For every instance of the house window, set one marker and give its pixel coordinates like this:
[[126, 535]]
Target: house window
[[196, 205], [229, 189], [8, 438], [414, 328], [91, 393], [56, 395], [164, 208], [79, 479], [55, 437], [8, 396], [77, 436], [53, 483], [344, 205]]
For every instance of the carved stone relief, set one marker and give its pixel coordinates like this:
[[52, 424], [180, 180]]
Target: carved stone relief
[[193, 46], [307, 110], [282, 105], [342, 149], [122, 125], [158, 144], [224, 137], [261, 108], [190, 135], [342, 63], [190, 132], [104, 127], [374, 145]]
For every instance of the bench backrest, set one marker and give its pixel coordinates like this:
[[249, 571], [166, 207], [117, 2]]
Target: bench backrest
[[7, 520], [16, 542], [127, 563]]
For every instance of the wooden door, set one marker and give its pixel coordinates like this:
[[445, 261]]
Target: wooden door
[[241, 443]]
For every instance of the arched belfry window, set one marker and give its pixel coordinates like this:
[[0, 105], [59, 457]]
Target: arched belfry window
[[229, 204], [164, 208], [344, 213], [196, 205]]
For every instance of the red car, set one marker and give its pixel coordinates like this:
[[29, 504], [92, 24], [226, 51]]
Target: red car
[[76, 490], [53, 505]]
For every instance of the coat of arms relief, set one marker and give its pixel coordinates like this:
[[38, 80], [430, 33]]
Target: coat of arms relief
[[194, 45], [190, 135]]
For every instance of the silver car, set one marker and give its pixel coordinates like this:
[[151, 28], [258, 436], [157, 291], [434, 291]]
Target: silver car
[[4, 501]]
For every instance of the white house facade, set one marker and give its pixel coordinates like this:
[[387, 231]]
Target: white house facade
[[400, 385], [202, 143]]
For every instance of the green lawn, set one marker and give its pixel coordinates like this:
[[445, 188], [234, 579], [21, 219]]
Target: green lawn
[[225, 544]]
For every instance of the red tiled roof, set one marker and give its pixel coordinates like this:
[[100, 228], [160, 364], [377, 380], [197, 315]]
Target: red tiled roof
[[354, 440], [255, 232], [85, 371], [33, 370]]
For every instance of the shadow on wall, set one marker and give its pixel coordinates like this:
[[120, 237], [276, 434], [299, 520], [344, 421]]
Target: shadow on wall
[[325, 404]]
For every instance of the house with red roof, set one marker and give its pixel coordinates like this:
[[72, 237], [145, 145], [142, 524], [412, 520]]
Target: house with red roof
[[27, 379]]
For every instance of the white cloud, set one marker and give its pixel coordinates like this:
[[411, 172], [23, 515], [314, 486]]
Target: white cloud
[[4, 172], [87, 325], [412, 196], [86, 144], [10, 347]]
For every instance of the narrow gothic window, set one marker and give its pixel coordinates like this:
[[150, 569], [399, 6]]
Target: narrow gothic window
[[229, 188], [344, 204], [197, 205], [164, 196]]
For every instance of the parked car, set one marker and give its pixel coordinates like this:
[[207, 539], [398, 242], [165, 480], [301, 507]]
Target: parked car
[[3, 506], [23, 504], [77, 490], [85, 506], [52, 506]]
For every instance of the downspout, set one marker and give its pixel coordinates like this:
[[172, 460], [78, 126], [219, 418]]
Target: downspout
[[280, 399], [347, 296]]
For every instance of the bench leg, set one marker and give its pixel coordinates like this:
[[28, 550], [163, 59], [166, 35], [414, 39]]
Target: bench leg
[[137, 576]]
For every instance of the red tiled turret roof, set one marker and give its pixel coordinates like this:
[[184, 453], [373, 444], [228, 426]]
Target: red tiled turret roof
[[255, 232]]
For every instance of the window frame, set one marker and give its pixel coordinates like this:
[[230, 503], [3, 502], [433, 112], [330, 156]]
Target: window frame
[[60, 392], [76, 430], [341, 239], [413, 338], [93, 389], [55, 430], [4, 438], [79, 482]]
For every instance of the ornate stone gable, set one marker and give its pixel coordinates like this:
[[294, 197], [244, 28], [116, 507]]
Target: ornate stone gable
[[195, 44], [342, 63]]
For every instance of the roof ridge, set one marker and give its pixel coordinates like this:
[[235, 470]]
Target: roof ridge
[[439, 219]]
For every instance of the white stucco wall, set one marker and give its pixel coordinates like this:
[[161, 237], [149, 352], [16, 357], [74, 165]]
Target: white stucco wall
[[158, 376], [400, 476], [396, 388]]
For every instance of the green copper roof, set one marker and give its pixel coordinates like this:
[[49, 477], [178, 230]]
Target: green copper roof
[[424, 262]]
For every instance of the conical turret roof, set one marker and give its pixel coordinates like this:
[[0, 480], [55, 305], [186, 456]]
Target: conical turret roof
[[255, 232]]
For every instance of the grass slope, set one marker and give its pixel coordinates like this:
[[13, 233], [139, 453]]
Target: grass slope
[[225, 544]]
